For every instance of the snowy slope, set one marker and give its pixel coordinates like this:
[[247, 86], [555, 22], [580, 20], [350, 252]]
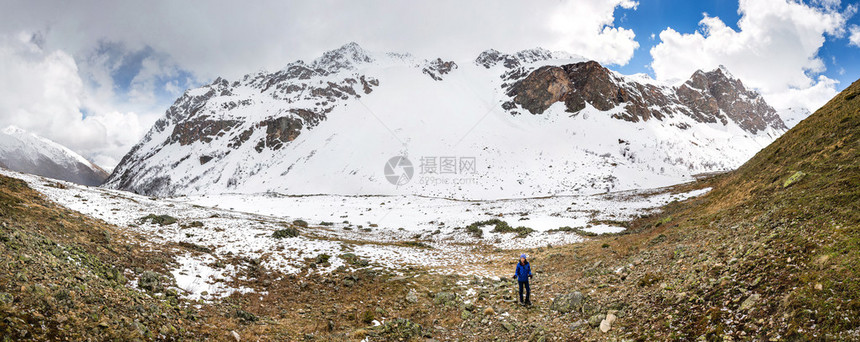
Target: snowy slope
[[793, 115], [26, 152], [332, 125]]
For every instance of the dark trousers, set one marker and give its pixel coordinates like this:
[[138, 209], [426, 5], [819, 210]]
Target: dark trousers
[[528, 291]]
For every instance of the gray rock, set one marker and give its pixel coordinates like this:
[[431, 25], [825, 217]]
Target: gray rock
[[578, 324], [444, 298], [412, 297], [750, 301], [594, 321], [568, 303], [149, 281]]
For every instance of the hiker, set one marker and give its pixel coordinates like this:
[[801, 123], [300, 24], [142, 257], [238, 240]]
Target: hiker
[[522, 274]]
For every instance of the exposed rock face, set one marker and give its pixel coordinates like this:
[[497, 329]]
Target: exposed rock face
[[707, 97], [710, 93], [278, 132], [436, 68], [545, 86]]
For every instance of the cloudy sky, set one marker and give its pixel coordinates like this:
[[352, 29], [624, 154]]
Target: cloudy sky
[[95, 75]]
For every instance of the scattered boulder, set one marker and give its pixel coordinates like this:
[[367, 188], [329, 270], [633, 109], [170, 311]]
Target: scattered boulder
[[354, 260], [594, 321], [606, 323], [750, 301], [235, 335], [412, 297], [246, 317], [444, 298], [150, 281], [162, 220], [285, 233], [568, 302], [611, 317], [400, 329]]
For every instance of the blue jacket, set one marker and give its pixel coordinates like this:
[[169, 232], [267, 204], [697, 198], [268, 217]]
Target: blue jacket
[[523, 271]]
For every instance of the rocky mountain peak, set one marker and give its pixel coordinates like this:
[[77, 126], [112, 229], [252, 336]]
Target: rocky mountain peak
[[710, 97], [343, 58], [492, 57], [718, 94]]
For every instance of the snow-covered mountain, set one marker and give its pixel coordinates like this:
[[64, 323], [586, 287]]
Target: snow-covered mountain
[[26, 152], [532, 123]]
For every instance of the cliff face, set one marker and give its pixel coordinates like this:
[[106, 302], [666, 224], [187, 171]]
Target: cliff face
[[707, 97]]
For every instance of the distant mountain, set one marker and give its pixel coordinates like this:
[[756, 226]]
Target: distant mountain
[[26, 152], [531, 123]]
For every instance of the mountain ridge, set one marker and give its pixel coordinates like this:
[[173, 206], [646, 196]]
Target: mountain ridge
[[23, 151], [275, 115]]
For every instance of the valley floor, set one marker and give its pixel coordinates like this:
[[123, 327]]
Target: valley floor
[[270, 267], [225, 249], [390, 233]]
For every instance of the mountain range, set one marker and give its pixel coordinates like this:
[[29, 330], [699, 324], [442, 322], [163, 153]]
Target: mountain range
[[531, 123]]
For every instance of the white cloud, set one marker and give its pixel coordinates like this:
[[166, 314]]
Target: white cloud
[[810, 98], [585, 28], [218, 38], [854, 38], [42, 92], [775, 49]]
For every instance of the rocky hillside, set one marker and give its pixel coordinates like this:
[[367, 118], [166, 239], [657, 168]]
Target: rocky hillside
[[329, 126], [26, 152], [769, 254], [65, 276]]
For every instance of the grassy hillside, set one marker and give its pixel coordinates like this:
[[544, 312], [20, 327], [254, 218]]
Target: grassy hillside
[[772, 252]]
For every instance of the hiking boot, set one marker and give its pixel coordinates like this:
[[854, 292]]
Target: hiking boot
[[529, 303]]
